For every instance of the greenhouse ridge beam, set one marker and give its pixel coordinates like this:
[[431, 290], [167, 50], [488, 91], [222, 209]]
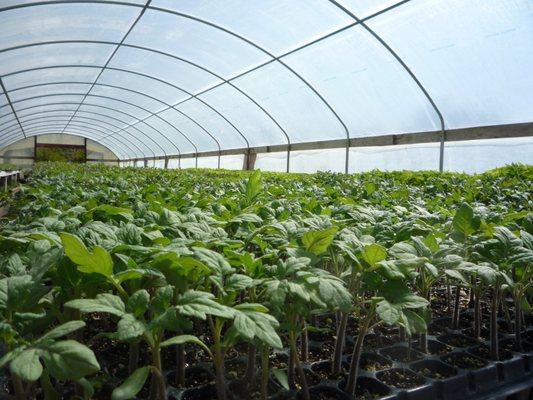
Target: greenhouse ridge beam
[[461, 134], [10, 104]]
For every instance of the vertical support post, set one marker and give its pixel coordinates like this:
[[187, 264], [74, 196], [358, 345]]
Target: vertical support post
[[347, 158], [288, 158], [441, 152], [166, 162], [85, 150], [196, 161], [218, 161], [34, 149], [145, 162], [249, 160], [179, 162]]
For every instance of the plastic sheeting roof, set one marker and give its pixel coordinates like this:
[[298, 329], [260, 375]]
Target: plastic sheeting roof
[[168, 77]]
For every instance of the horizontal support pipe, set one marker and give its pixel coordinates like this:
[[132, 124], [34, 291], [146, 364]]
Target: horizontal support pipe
[[462, 134]]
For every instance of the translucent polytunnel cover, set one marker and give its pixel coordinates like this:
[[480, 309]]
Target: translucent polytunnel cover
[[163, 77]]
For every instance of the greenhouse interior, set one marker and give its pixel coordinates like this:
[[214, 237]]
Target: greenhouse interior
[[266, 199]]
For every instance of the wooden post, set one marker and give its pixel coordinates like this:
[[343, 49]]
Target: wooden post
[[249, 160]]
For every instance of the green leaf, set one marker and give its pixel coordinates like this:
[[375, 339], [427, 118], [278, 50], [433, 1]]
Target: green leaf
[[464, 223], [374, 253], [317, 242], [63, 330], [215, 261], [416, 322], [200, 304], [130, 234], [97, 262], [105, 302], [69, 360], [388, 312], [456, 275], [253, 187], [138, 302], [281, 377], [132, 385], [88, 390], [129, 327], [27, 365], [182, 339], [250, 324]]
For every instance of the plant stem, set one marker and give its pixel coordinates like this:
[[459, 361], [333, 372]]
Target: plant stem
[[401, 331], [477, 315], [494, 324], [356, 356], [339, 345], [518, 322], [264, 373], [18, 387], [290, 369], [250, 364], [304, 338], [301, 374], [157, 375], [218, 358], [180, 365], [448, 295], [455, 318]]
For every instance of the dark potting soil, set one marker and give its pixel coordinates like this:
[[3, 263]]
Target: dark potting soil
[[401, 354], [323, 370], [401, 378], [509, 345], [458, 340], [194, 376], [321, 352], [436, 348], [434, 369], [464, 361], [483, 351], [374, 362]]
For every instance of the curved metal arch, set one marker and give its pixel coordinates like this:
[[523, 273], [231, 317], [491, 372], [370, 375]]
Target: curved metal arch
[[104, 97], [223, 80], [234, 34], [148, 77], [88, 118], [137, 19], [90, 112], [406, 68], [10, 104], [31, 121], [47, 121], [218, 76], [121, 87], [132, 91], [92, 105], [138, 119], [263, 50], [109, 98]]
